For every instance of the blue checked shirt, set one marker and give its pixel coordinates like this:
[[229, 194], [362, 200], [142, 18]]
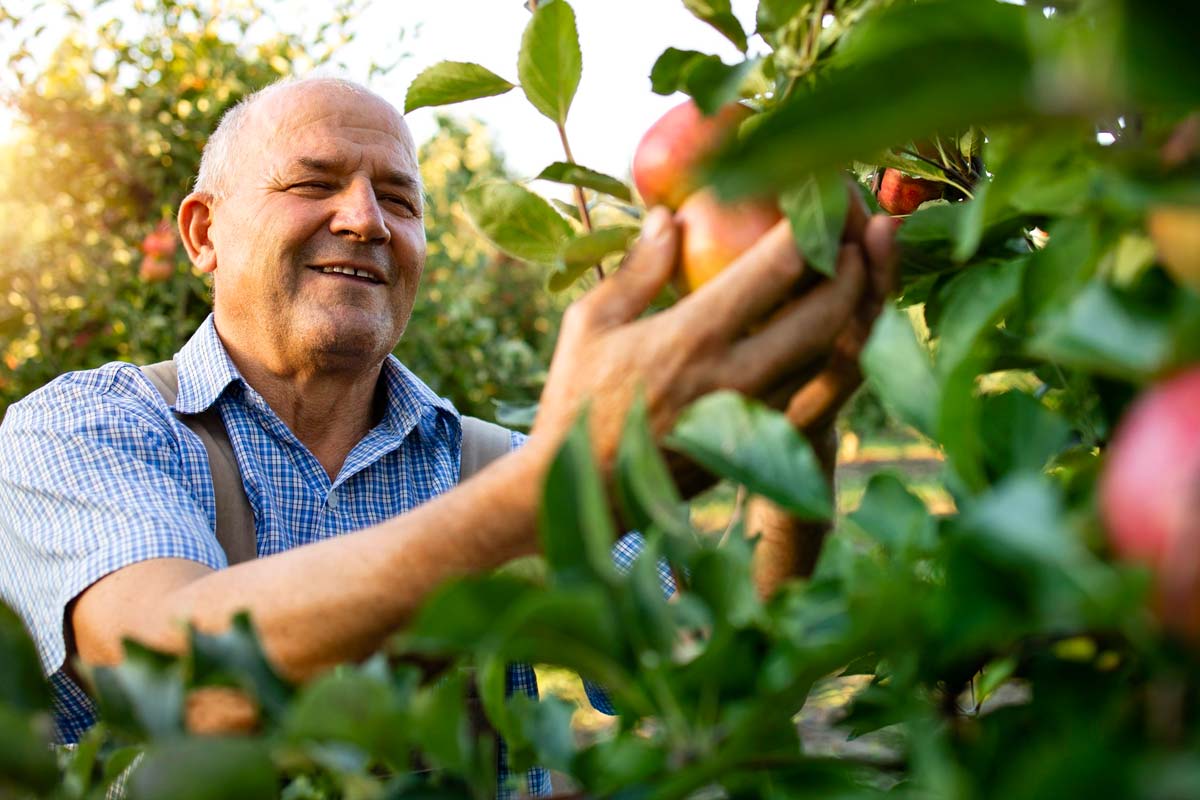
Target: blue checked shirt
[[97, 473]]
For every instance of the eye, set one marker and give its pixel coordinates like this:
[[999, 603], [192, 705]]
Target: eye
[[400, 201], [311, 186]]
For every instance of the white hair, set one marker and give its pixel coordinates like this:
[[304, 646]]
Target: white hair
[[221, 152]]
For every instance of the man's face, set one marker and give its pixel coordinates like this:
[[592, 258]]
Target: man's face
[[320, 244]]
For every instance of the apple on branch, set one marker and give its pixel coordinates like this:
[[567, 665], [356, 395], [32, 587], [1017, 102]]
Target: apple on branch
[[901, 194], [669, 155]]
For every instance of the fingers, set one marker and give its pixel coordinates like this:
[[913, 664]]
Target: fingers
[[857, 214], [628, 292], [818, 401], [879, 240], [748, 289], [802, 331]]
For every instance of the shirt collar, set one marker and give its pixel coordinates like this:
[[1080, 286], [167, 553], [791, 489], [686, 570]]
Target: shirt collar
[[206, 370]]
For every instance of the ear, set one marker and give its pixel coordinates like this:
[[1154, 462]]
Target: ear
[[195, 225]]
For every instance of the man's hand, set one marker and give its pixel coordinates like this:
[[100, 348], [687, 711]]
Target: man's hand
[[719, 337]]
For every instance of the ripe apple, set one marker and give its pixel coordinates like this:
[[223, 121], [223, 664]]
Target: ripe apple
[[161, 241], [1150, 495], [1175, 231], [155, 269], [667, 157], [900, 194], [712, 234]]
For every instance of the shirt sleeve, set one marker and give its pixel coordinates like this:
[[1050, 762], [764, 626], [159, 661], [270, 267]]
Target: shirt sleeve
[[95, 475]]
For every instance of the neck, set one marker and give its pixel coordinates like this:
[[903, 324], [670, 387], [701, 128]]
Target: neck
[[329, 412]]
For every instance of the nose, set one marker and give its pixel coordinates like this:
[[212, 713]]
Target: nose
[[358, 215]]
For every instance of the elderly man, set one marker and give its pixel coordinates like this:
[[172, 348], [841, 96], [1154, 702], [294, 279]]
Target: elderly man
[[308, 213]]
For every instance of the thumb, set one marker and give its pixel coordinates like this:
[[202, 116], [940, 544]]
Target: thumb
[[626, 293]]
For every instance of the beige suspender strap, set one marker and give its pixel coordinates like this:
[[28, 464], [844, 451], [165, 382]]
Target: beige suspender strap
[[482, 443], [235, 519]]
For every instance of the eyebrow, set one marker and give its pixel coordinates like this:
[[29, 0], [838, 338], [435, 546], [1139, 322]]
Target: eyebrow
[[392, 177]]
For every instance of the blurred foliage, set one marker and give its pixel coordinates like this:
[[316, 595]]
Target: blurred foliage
[[1000, 644]]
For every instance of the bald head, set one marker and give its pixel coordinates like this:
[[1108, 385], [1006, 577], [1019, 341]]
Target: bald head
[[252, 122]]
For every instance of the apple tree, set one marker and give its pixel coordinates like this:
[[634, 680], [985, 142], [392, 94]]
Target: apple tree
[[1037, 639]]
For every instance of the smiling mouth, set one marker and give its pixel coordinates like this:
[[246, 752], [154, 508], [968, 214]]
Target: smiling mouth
[[348, 272]]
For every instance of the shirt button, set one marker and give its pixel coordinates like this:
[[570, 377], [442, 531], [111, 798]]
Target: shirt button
[[332, 500]]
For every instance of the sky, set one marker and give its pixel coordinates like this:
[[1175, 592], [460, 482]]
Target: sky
[[619, 39]]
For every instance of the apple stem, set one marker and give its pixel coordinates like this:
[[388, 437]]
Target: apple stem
[[580, 201]]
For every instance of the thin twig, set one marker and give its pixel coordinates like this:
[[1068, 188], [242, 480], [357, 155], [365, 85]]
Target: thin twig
[[580, 201]]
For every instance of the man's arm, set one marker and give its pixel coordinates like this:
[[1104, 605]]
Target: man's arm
[[326, 602]]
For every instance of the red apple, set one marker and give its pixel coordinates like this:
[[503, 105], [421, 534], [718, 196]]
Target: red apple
[[155, 269], [1176, 234], [713, 234], [161, 241], [671, 151], [900, 194], [1150, 495]]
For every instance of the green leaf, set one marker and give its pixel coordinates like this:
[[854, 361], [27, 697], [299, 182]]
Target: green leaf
[[909, 165], [745, 441], [1023, 517], [350, 705], [546, 723], [574, 525], [897, 367], [26, 758], [235, 658], [774, 14], [862, 108], [517, 221], [1061, 269], [550, 63], [646, 617], [586, 251], [22, 686], [994, 674], [895, 517], [619, 763], [973, 303], [438, 721], [970, 231], [719, 14], [1104, 332], [142, 695], [711, 82], [669, 70], [817, 210], [575, 175], [457, 618], [205, 769], [1020, 434], [452, 82], [644, 487], [721, 576]]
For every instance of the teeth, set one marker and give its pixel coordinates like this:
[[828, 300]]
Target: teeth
[[358, 273]]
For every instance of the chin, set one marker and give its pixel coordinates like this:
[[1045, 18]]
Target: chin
[[343, 343]]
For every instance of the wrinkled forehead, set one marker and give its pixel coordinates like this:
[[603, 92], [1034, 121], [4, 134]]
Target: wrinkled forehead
[[330, 120]]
